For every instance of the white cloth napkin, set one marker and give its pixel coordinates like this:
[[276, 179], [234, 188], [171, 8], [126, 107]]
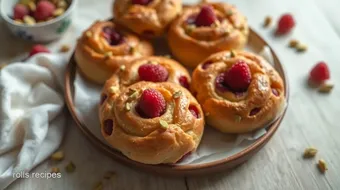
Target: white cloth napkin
[[32, 116]]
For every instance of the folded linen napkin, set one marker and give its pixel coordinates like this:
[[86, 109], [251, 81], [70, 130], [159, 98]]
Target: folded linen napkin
[[32, 116]]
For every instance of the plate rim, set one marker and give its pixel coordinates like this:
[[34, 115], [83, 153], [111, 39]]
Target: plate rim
[[177, 170]]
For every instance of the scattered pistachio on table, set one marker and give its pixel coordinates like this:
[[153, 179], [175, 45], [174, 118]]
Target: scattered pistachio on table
[[267, 21], [70, 167], [322, 165], [310, 152], [57, 156], [64, 48]]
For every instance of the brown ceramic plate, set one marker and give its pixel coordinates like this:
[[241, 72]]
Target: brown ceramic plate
[[256, 43]]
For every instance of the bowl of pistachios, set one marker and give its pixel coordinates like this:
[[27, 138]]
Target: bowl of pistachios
[[38, 20]]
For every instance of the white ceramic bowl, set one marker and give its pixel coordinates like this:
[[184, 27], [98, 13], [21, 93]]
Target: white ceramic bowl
[[40, 32]]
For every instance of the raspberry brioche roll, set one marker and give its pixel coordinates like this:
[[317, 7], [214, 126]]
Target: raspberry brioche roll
[[153, 69], [151, 123], [238, 91], [147, 17], [105, 47], [205, 29]]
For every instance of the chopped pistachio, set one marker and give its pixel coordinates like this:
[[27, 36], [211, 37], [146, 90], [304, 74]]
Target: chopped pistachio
[[109, 175], [18, 21], [216, 23], [113, 89], [70, 167], [310, 152], [131, 90], [301, 48], [267, 21], [132, 50], [128, 106], [58, 12], [164, 124], [326, 88], [89, 34], [167, 56], [122, 67], [31, 5], [293, 43], [98, 186], [55, 170], [322, 166], [29, 20], [189, 28], [154, 62], [177, 94], [230, 12], [62, 4], [108, 54], [58, 156], [64, 48], [232, 53], [237, 118]]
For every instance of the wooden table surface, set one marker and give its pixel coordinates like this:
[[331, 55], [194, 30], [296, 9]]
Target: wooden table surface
[[311, 119]]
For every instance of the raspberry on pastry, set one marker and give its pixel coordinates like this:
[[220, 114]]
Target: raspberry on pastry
[[105, 47], [149, 18], [205, 29], [151, 104], [149, 122], [238, 91], [153, 73], [153, 69]]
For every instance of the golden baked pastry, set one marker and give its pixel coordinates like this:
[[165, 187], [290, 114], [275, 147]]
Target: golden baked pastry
[[153, 69], [105, 47], [238, 91], [207, 28], [149, 122], [147, 17]]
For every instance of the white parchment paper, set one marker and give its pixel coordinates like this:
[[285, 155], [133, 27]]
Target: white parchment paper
[[214, 144]]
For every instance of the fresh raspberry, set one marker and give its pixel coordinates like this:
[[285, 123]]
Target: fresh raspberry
[[183, 80], [320, 73], [108, 126], [151, 104], [112, 36], [44, 10], [206, 17], [20, 11], [238, 77], [153, 73], [286, 24], [38, 49], [194, 111], [141, 2]]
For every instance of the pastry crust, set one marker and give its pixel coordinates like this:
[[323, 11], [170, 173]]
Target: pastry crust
[[150, 20], [147, 140], [98, 60], [191, 44], [230, 112]]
